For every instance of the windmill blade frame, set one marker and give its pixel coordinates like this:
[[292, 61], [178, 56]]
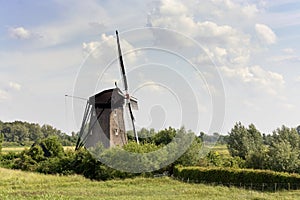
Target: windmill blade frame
[[122, 63], [123, 73]]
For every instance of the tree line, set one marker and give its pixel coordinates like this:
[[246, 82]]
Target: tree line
[[248, 148], [279, 151], [20, 133]]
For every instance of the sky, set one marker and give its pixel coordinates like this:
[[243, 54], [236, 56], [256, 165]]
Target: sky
[[202, 64]]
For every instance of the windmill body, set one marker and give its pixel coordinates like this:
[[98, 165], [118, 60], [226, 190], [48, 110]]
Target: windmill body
[[103, 120], [107, 112]]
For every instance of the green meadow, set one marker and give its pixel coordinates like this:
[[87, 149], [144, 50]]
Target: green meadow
[[16, 184]]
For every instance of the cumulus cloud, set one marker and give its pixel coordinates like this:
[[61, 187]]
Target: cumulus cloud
[[106, 49], [20, 33], [14, 85], [172, 7], [265, 34], [234, 13], [216, 25], [213, 36], [269, 81]]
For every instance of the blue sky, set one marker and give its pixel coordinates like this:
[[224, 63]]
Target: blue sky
[[52, 48]]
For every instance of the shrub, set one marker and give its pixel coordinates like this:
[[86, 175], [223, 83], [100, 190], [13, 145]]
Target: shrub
[[229, 176], [1, 141]]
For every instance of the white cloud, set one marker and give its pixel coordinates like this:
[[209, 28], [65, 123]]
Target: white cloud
[[270, 82], [226, 31], [153, 86], [234, 13], [289, 55], [89, 47], [220, 51], [250, 10], [213, 36], [20, 33], [172, 7], [106, 49], [79, 19], [3, 95], [265, 34], [285, 58], [14, 85]]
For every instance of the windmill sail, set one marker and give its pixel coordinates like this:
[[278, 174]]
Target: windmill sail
[[128, 99]]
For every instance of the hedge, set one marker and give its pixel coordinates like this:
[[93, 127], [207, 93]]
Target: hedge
[[254, 179]]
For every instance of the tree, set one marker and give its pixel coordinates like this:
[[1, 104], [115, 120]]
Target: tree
[[247, 143], [19, 132], [1, 140], [298, 129], [283, 157], [192, 156], [238, 141], [48, 130], [164, 136], [284, 150], [35, 132], [52, 147]]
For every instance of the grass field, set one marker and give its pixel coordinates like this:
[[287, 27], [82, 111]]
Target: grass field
[[25, 185], [12, 149], [221, 149], [19, 149]]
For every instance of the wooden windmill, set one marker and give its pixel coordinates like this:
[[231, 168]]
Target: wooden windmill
[[103, 119]]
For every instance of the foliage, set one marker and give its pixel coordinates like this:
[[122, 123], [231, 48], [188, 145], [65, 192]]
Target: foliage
[[248, 144], [215, 159], [1, 141], [243, 142], [279, 151], [162, 137], [47, 156], [160, 154], [284, 151], [227, 176], [215, 138], [52, 147], [25, 162], [24, 133], [7, 159], [192, 155], [40, 152]]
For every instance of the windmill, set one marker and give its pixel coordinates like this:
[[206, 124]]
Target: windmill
[[103, 119]]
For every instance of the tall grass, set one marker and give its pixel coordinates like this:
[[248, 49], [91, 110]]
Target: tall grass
[[24, 185]]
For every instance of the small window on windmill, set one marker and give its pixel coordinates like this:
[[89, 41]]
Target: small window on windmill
[[115, 113], [116, 132]]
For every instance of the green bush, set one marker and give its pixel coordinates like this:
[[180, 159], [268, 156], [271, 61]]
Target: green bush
[[262, 179], [52, 147], [25, 162], [1, 141], [7, 159]]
